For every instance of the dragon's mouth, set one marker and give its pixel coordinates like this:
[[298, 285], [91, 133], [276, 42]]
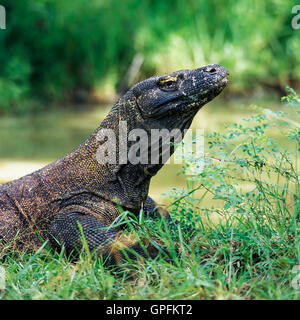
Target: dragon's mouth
[[190, 103], [207, 94], [197, 100]]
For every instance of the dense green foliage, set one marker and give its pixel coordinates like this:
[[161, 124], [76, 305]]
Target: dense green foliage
[[53, 49], [245, 245], [249, 170]]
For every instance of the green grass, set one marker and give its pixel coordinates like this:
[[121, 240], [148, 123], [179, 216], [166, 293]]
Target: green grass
[[229, 260]]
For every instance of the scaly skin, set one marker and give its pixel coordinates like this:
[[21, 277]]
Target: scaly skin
[[51, 201]]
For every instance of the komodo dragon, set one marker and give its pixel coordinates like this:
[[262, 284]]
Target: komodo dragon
[[80, 195]]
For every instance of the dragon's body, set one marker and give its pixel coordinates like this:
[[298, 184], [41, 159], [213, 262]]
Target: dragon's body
[[50, 202]]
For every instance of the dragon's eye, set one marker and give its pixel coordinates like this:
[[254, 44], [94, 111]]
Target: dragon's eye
[[168, 83]]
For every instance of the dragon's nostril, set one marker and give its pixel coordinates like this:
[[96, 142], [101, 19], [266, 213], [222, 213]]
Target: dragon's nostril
[[211, 70]]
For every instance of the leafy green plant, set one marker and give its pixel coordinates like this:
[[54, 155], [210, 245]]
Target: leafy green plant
[[250, 171]]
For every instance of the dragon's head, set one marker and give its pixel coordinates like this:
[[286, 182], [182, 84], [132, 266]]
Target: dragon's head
[[179, 93]]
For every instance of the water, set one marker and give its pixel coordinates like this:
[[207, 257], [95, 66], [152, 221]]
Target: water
[[28, 143]]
